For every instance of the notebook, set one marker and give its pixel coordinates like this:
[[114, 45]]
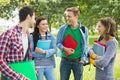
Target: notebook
[[70, 42], [27, 68], [44, 44], [99, 48]]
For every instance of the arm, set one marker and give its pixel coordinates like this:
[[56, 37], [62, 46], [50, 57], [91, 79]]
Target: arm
[[59, 39], [86, 43], [34, 54], [52, 49], [41, 52], [92, 54], [109, 54], [59, 42], [4, 49]]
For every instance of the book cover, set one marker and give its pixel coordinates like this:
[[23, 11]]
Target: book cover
[[27, 68], [70, 42], [99, 48], [44, 44], [101, 43]]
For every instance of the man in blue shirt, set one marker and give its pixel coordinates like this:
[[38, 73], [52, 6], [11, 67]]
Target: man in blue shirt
[[77, 56]]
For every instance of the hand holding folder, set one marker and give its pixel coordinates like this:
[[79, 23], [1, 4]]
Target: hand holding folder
[[69, 42], [99, 48], [69, 51], [27, 68], [44, 44]]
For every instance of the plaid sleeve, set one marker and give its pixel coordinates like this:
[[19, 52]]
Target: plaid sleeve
[[4, 68]]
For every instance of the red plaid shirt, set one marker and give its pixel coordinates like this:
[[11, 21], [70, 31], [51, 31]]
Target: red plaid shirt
[[11, 50]]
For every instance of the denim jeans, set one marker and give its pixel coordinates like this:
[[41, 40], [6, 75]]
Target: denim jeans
[[65, 69], [47, 72]]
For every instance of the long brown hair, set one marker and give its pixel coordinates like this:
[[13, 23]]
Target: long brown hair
[[36, 33], [110, 27]]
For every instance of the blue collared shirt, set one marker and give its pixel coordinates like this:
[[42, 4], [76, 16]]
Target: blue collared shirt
[[84, 47]]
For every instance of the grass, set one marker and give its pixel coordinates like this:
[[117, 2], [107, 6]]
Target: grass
[[90, 75], [117, 67]]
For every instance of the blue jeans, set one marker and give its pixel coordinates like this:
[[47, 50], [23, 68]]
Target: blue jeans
[[47, 72], [65, 69]]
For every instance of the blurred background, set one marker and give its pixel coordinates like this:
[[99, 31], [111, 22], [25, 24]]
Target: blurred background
[[53, 10]]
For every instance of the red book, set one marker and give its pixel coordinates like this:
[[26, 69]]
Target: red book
[[101, 43], [70, 42]]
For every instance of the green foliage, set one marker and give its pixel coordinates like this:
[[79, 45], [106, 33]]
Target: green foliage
[[91, 10], [91, 40]]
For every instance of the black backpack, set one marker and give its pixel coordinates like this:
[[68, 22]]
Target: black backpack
[[83, 28]]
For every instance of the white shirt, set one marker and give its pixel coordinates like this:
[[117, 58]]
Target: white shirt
[[25, 43]]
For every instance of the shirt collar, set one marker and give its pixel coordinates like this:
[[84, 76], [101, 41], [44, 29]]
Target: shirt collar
[[19, 28]]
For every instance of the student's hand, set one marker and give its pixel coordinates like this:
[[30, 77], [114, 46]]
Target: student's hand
[[98, 57], [26, 78], [36, 71], [39, 50], [81, 61], [69, 50]]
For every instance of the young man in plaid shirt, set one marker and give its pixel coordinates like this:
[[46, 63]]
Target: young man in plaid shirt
[[14, 44]]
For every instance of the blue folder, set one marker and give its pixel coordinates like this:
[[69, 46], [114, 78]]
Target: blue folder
[[44, 44], [98, 49]]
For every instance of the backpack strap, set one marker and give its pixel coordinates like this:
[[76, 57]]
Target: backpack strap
[[100, 38], [83, 28]]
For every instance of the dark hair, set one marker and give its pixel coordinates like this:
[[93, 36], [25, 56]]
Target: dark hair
[[24, 12], [110, 27], [36, 33]]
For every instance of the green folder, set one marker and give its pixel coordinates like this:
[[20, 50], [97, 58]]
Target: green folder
[[27, 68]]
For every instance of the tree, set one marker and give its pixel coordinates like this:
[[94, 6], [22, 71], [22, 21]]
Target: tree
[[96, 9], [91, 10]]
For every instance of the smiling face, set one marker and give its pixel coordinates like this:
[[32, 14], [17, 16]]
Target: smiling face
[[71, 18], [100, 28], [43, 26]]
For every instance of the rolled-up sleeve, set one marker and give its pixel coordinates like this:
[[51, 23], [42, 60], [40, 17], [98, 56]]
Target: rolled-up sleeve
[[59, 39], [53, 48]]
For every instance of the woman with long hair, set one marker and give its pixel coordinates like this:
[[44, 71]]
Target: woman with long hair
[[44, 59], [105, 64]]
